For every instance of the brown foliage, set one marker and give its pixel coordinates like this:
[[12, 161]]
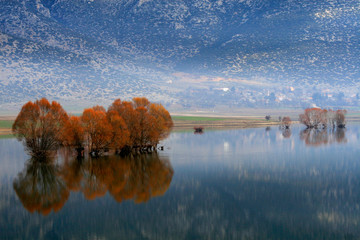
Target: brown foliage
[[147, 123], [74, 132], [40, 125], [137, 124], [286, 122], [314, 118], [97, 128], [120, 132], [321, 118]]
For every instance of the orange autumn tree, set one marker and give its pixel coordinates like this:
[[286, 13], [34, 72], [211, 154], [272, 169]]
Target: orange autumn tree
[[74, 134], [127, 112], [39, 124], [120, 133], [126, 125], [147, 123], [97, 128], [163, 120], [147, 130]]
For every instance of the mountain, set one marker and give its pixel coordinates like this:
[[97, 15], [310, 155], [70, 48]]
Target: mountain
[[182, 53]]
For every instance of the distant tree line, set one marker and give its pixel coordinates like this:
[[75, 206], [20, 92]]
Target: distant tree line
[[125, 126], [321, 118]]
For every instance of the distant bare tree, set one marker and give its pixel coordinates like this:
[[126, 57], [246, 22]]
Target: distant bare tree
[[286, 122], [320, 118], [340, 118]]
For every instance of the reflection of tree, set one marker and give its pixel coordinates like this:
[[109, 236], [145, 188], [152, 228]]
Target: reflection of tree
[[147, 176], [40, 188], [316, 137], [286, 132], [43, 186], [140, 177]]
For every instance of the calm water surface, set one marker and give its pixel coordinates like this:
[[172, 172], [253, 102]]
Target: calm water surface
[[224, 184]]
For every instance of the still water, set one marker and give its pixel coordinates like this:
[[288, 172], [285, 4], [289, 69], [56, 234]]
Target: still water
[[223, 184]]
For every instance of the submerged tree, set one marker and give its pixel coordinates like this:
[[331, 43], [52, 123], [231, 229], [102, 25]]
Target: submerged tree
[[340, 118], [40, 126], [120, 133], [286, 122], [126, 125], [97, 128], [321, 118], [147, 123], [314, 118], [74, 134], [336, 118]]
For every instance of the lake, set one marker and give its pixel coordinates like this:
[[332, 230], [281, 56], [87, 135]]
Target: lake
[[222, 184]]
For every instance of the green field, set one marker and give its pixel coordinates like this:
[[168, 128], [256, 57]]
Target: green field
[[214, 119], [7, 136], [6, 123], [196, 118]]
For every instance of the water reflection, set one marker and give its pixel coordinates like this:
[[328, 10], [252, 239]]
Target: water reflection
[[229, 184], [286, 132], [317, 137], [43, 187], [40, 187]]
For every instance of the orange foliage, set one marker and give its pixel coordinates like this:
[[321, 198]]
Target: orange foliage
[[98, 129], [137, 124], [130, 116], [40, 125], [73, 133], [120, 132], [141, 102], [163, 119], [147, 123]]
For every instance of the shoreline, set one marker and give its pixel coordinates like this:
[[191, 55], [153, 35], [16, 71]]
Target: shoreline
[[223, 123], [189, 122]]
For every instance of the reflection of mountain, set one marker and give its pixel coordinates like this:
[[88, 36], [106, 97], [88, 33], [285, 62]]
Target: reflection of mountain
[[40, 187], [317, 137]]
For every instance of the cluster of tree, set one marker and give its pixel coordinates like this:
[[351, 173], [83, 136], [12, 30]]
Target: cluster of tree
[[322, 118], [138, 124], [45, 187]]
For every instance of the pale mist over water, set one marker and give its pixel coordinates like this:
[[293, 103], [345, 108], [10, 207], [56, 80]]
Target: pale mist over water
[[223, 184]]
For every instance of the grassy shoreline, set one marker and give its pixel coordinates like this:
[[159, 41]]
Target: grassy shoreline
[[5, 128], [189, 122]]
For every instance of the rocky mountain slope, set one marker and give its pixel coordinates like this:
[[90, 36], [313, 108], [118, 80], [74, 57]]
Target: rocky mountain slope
[[98, 50]]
